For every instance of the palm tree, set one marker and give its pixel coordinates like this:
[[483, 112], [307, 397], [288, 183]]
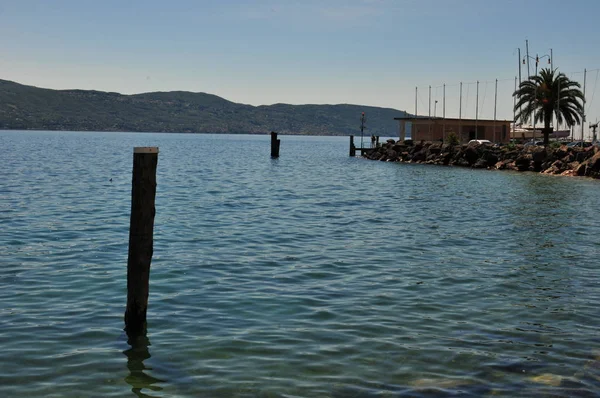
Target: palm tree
[[547, 93]]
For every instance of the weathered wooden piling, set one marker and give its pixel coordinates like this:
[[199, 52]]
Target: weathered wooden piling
[[275, 143], [352, 147], [143, 193]]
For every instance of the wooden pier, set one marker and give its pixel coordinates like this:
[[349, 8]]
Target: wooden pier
[[353, 147]]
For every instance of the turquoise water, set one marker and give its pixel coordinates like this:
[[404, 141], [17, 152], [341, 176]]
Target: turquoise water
[[311, 275]]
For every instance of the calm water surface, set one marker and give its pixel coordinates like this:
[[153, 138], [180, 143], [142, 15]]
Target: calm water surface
[[312, 275]]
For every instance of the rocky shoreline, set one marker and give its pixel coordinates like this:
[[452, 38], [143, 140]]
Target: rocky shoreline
[[562, 160]]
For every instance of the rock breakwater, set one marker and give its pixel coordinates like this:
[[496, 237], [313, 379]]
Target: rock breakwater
[[562, 160]]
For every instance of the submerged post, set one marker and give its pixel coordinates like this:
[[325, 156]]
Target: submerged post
[[274, 145], [352, 147], [143, 193]]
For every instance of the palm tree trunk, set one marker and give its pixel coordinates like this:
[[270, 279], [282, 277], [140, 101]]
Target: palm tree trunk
[[547, 129]]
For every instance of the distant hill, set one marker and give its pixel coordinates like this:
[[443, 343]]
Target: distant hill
[[27, 107]]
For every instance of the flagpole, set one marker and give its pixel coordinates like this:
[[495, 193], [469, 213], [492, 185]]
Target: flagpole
[[477, 111], [495, 103], [444, 113], [460, 115]]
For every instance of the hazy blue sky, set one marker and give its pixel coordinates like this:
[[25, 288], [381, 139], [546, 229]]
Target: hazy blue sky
[[371, 52]]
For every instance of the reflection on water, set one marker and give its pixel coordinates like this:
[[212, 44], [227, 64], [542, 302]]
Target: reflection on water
[[137, 378]]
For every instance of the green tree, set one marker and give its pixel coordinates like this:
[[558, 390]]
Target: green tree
[[546, 94]]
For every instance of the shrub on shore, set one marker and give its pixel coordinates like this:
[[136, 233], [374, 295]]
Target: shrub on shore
[[452, 139]]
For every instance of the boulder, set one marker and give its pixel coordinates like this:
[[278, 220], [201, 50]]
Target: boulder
[[580, 170], [419, 156], [538, 155], [551, 170], [560, 165], [462, 162], [457, 155], [523, 161], [593, 166], [481, 163], [445, 158], [435, 149], [415, 148], [594, 162], [510, 155], [400, 148], [546, 165], [373, 154], [561, 152], [490, 157], [431, 157], [392, 155], [582, 156], [470, 154]]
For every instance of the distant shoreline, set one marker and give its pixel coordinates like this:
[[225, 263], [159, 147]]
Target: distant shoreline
[[177, 132], [31, 108]]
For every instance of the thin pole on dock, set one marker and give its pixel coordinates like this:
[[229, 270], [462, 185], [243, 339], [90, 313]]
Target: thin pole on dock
[[460, 115], [143, 193], [583, 116], [444, 113], [519, 83], [363, 119], [495, 104], [477, 111], [416, 99], [430, 112], [558, 107], [514, 109], [352, 147], [527, 54], [275, 143], [519, 60]]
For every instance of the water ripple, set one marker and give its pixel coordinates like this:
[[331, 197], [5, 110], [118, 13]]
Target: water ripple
[[310, 275]]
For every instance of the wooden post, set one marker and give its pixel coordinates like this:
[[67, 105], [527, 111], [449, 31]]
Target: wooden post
[[275, 143], [143, 192], [352, 147], [377, 142]]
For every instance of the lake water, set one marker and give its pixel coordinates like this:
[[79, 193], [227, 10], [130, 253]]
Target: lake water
[[311, 275]]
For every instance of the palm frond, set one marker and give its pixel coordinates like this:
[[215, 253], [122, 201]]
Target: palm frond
[[546, 94]]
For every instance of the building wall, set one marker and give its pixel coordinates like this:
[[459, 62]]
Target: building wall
[[438, 130]]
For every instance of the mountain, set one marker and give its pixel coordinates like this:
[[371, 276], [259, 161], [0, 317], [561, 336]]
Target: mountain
[[26, 107]]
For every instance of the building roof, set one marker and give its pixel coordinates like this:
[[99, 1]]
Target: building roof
[[451, 119]]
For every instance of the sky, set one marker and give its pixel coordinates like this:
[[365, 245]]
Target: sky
[[369, 52]]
